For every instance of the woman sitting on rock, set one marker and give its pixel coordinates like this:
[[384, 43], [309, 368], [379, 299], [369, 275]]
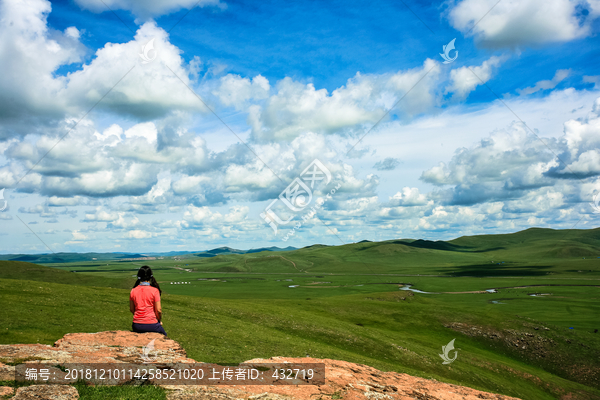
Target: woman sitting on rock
[[144, 303]]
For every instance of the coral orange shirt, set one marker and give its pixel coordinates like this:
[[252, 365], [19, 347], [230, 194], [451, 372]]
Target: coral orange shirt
[[144, 298]]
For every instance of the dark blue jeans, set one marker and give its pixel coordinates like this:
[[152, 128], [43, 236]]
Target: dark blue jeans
[[143, 328]]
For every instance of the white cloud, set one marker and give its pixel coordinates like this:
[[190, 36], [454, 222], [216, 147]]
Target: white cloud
[[124, 222], [146, 130], [144, 169], [144, 9], [101, 216], [388, 164], [249, 177], [237, 91], [514, 23], [112, 134], [45, 211], [512, 162], [465, 79], [189, 184], [72, 32], [147, 91], [139, 234], [560, 75], [32, 53], [78, 236], [298, 108], [592, 79], [54, 201], [408, 197], [581, 149], [205, 222]]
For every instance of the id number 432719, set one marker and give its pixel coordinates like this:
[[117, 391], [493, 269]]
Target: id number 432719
[[296, 373]]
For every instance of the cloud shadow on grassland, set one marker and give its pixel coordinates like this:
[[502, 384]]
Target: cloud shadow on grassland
[[441, 245], [485, 270]]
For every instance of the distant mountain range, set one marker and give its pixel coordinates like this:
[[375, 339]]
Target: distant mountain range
[[558, 243], [118, 256]]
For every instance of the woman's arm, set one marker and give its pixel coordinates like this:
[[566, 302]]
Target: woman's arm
[[158, 311], [131, 306]]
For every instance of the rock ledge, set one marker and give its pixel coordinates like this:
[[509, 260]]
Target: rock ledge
[[344, 380]]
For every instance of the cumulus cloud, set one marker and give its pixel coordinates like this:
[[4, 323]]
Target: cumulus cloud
[[139, 234], [465, 79], [101, 216], [125, 163], [30, 53], [125, 222], [515, 23], [32, 94], [147, 91], [237, 91], [44, 211], [512, 162], [408, 197], [501, 166], [54, 201], [298, 108], [212, 224], [143, 157], [580, 147], [77, 237]]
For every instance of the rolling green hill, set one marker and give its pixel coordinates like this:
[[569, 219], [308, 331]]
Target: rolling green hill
[[524, 307], [33, 272]]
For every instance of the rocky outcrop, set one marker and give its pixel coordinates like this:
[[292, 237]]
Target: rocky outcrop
[[46, 392], [101, 347], [344, 380]]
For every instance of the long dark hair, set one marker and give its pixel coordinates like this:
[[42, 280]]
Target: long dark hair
[[145, 275]]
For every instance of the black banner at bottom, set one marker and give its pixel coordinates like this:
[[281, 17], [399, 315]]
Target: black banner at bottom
[[173, 373]]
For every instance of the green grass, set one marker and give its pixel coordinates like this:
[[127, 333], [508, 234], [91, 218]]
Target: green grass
[[125, 392], [239, 307], [34, 272], [17, 361], [231, 331]]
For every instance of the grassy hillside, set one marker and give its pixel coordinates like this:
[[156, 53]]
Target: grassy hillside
[[523, 307], [33, 272], [384, 331]]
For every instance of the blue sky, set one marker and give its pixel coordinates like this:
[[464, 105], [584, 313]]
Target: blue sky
[[100, 151], [325, 42]]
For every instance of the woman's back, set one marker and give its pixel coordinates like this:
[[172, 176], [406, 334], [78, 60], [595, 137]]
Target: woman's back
[[144, 298], [144, 303]]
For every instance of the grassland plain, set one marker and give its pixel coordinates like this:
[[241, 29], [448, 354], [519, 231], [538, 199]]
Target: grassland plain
[[344, 303]]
